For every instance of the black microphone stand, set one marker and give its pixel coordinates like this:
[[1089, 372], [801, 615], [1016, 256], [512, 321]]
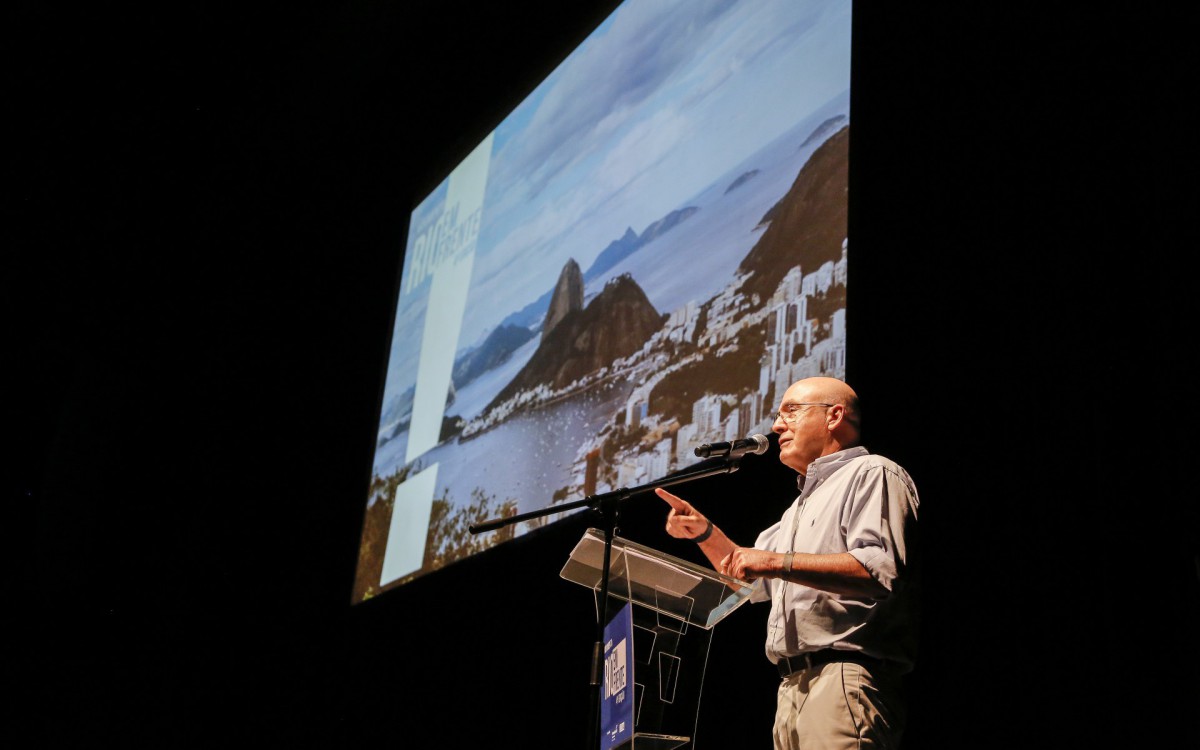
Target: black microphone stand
[[607, 504]]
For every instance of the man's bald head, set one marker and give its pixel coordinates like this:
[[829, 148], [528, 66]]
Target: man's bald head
[[819, 416]]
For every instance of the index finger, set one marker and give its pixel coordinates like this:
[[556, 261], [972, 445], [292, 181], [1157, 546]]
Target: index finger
[[676, 502]]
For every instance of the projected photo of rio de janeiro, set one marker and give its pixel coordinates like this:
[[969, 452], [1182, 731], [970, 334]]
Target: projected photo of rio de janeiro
[[660, 250]]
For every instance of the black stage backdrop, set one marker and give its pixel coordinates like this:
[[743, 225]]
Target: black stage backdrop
[[198, 288]]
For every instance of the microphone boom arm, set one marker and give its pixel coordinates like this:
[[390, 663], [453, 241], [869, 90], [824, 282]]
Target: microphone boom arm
[[728, 466]]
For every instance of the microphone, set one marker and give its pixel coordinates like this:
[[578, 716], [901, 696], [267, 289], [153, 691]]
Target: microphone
[[756, 444]]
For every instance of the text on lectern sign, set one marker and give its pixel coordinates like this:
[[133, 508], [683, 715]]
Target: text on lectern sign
[[616, 705]]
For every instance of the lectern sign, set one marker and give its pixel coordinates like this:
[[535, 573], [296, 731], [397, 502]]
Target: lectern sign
[[616, 707]]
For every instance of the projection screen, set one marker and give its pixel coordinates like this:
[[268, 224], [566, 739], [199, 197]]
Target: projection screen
[[636, 260]]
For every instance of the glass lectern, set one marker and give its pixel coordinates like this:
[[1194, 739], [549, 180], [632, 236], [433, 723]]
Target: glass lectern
[[675, 606]]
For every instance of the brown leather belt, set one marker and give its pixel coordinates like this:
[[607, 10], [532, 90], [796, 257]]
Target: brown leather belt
[[789, 665]]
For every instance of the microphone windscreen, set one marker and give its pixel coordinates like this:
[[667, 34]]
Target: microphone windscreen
[[762, 444]]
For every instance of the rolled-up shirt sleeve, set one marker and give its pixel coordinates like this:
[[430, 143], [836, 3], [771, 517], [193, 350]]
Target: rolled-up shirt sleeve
[[875, 522]]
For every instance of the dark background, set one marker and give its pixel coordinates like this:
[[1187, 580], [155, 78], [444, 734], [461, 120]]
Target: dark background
[[210, 207]]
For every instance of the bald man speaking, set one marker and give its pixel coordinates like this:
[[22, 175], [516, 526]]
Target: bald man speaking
[[839, 571]]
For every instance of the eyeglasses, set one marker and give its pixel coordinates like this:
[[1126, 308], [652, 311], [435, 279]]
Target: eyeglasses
[[790, 413]]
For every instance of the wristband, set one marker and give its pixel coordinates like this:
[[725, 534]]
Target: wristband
[[787, 562], [704, 537]]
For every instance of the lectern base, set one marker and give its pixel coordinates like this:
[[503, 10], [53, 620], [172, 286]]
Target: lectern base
[[648, 741]]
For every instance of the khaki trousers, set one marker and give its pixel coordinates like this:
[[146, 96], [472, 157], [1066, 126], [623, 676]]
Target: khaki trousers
[[839, 706]]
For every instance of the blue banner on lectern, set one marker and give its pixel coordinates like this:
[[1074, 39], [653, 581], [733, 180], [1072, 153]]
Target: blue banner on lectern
[[616, 705]]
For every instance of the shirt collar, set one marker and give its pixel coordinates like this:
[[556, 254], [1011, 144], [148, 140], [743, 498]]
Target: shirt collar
[[824, 466]]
